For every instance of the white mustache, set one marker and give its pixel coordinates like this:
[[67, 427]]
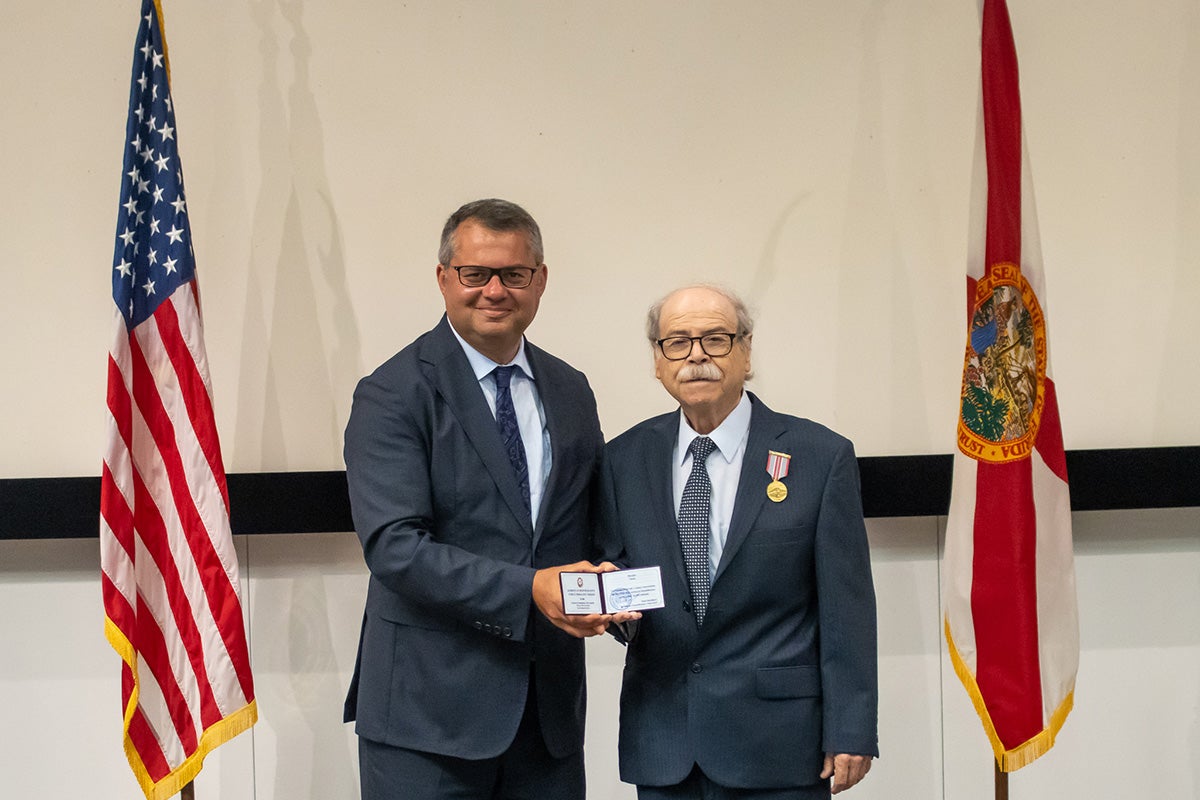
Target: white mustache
[[705, 371]]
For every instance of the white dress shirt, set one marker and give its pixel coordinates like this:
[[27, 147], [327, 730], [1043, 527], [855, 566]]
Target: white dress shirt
[[724, 469], [531, 416]]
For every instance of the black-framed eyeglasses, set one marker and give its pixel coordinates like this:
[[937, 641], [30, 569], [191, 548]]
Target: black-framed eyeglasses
[[677, 348], [511, 277]]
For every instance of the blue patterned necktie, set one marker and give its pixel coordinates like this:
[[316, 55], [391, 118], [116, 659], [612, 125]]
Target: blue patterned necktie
[[506, 420], [693, 525]]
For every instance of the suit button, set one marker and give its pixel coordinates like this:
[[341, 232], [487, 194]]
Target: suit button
[[507, 632], [697, 669], [487, 627], [478, 625]]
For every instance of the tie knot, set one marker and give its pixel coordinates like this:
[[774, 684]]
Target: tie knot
[[701, 447], [504, 375]]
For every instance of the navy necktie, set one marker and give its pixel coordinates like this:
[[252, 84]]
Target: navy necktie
[[693, 525], [506, 420]]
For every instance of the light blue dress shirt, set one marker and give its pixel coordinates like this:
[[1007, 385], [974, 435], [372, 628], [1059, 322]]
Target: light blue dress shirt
[[531, 416], [724, 470]]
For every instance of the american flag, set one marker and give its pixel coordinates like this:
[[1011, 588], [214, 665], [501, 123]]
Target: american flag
[[169, 569]]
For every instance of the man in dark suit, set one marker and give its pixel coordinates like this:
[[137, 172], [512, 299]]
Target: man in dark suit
[[758, 678], [470, 458]]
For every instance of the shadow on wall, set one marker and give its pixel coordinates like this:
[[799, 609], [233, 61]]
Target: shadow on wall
[[853, 323], [875, 303], [294, 367], [1181, 347], [303, 616], [1180, 343], [314, 757]]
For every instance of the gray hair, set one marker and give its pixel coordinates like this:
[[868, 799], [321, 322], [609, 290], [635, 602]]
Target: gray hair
[[495, 215], [745, 323]]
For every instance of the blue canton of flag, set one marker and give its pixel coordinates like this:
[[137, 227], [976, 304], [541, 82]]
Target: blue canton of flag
[[153, 254]]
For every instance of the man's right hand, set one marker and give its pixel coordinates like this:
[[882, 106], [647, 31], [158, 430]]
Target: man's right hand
[[547, 596]]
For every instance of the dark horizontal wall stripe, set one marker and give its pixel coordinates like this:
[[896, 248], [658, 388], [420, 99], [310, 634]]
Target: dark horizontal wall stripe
[[1101, 480], [49, 508], [905, 486], [289, 502], [893, 486]]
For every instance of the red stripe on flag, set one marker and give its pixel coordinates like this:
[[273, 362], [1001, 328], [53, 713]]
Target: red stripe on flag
[[1004, 600], [118, 402], [127, 684], [972, 283], [193, 390], [153, 651], [1049, 441], [1002, 135], [141, 735], [117, 608], [116, 512]]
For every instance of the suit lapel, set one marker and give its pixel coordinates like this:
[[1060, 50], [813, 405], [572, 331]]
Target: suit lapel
[[555, 403], [658, 470], [456, 382], [752, 482]]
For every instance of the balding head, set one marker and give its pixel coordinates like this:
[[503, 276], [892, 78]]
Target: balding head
[[701, 340]]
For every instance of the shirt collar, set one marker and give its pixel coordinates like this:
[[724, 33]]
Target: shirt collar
[[482, 366], [728, 436]]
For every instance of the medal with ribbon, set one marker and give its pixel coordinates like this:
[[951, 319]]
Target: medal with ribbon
[[777, 468]]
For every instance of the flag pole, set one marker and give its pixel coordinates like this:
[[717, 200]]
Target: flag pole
[[188, 792], [1001, 783]]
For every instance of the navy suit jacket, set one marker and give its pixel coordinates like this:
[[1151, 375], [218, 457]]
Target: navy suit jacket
[[784, 667], [450, 630]]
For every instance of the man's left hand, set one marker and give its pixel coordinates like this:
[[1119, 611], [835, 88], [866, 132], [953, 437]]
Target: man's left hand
[[846, 770]]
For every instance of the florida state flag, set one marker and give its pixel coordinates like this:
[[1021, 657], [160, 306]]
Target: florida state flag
[[1011, 620]]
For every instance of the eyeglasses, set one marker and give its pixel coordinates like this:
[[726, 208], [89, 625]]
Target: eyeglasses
[[511, 277], [677, 348]]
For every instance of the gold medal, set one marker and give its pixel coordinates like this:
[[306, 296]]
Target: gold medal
[[777, 468]]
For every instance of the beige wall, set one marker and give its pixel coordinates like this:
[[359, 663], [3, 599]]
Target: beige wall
[[815, 156]]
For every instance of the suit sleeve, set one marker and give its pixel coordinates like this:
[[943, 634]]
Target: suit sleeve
[[846, 600], [608, 538], [388, 450], [608, 542]]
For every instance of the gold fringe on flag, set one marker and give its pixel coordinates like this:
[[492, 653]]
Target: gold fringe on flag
[[1025, 753]]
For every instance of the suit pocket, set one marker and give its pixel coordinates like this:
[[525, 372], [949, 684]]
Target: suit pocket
[[414, 617], [761, 537], [781, 683]]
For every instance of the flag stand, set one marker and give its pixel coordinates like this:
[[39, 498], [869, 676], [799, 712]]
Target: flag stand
[[1001, 784], [188, 792]]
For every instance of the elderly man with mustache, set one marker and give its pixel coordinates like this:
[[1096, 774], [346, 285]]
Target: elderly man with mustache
[[757, 680]]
